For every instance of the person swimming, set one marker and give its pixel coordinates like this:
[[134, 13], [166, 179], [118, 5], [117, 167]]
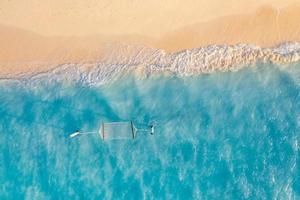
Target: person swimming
[[152, 129]]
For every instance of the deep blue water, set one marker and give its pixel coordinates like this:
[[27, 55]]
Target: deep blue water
[[228, 135]]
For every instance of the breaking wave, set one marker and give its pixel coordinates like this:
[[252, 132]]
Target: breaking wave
[[144, 62]]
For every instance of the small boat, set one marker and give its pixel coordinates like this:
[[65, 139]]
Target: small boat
[[74, 134]]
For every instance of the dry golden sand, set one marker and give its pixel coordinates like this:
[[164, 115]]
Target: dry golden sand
[[266, 27], [25, 51], [152, 18]]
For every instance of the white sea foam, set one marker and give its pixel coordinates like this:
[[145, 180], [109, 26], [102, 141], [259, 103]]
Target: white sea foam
[[143, 61]]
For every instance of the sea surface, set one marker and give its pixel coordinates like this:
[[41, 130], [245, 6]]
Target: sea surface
[[225, 135]]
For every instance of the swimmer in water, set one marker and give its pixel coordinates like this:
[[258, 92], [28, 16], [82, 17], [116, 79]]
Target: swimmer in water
[[152, 129]]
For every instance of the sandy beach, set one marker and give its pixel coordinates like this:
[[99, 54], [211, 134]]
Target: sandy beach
[[265, 27], [34, 45]]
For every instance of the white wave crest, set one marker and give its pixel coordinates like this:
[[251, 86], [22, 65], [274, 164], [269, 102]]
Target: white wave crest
[[143, 61]]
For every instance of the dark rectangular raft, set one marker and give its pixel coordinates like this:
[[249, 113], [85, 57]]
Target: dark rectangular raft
[[117, 130]]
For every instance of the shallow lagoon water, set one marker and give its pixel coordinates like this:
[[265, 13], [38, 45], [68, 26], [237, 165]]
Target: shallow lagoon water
[[232, 135]]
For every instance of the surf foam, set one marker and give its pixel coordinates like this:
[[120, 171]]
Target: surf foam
[[143, 61]]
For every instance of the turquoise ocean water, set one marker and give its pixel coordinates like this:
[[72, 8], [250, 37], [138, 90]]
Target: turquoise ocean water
[[232, 135]]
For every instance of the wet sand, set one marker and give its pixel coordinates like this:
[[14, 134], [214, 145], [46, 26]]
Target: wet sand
[[26, 51]]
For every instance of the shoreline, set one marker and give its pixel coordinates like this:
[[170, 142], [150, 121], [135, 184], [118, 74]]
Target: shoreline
[[27, 52], [147, 62]]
